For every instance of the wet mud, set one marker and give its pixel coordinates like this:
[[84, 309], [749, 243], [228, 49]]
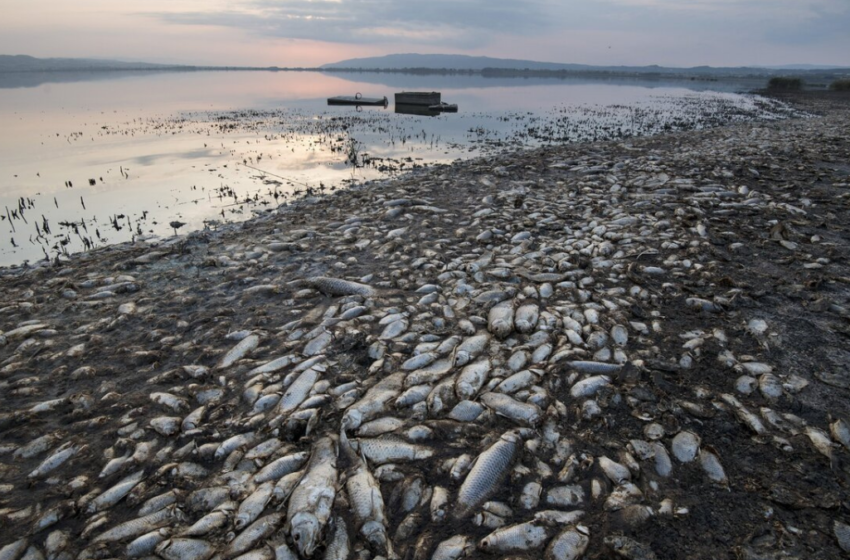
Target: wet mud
[[685, 295]]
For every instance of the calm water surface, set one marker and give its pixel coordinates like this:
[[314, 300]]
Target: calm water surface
[[91, 162]]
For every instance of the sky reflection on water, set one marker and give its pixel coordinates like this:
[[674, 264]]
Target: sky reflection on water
[[108, 161]]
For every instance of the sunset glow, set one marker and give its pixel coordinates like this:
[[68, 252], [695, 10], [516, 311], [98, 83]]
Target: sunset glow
[[311, 33]]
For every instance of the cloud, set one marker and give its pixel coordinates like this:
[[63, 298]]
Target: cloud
[[452, 23]]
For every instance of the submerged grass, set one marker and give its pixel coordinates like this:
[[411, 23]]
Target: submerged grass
[[784, 83], [840, 85]]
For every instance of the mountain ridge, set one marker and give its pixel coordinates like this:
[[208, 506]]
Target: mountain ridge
[[479, 63], [26, 63]]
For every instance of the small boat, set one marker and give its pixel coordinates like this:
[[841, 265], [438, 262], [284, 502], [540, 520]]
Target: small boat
[[358, 99], [444, 107], [426, 98]]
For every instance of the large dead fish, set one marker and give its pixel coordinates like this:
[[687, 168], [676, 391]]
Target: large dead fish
[[311, 501], [364, 496], [487, 473]]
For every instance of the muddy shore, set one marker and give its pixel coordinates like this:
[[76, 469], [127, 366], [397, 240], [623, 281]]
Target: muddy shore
[[723, 253]]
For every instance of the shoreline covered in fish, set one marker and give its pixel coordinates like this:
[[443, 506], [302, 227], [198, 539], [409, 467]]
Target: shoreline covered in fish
[[634, 349]]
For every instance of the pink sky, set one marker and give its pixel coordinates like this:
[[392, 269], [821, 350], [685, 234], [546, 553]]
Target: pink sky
[[314, 32]]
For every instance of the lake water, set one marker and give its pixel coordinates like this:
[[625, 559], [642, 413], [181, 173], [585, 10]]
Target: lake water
[[88, 160]]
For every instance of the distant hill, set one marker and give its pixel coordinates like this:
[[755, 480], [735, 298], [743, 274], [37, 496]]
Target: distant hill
[[805, 67], [24, 63], [453, 61], [479, 63]]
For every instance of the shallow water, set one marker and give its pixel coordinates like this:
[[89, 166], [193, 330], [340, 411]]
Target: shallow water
[[91, 162]]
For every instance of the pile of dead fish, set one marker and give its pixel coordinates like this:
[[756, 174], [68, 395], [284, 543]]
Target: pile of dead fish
[[454, 366]]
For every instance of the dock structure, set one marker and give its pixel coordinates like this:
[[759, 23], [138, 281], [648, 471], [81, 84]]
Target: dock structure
[[426, 98], [358, 100]]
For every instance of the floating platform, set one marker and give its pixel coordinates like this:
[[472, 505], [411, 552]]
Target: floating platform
[[421, 110], [444, 108], [425, 98], [358, 99]]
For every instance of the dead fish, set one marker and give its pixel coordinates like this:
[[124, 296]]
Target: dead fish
[[744, 415], [281, 467], [526, 414], [487, 474], [710, 463], [311, 501], [470, 348], [37, 446], [14, 550], [193, 419], [685, 446], [471, 378], [116, 493], [247, 345], [526, 318], [374, 402], [390, 449], [252, 506], [185, 549], [589, 387], [212, 521], [821, 441], [366, 500], [453, 548], [297, 392], [146, 544], [338, 546], [235, 442], [523, 537], [338, 287], [500, 320], [138, 526], [57, 459], [258, 531], [840, 431]]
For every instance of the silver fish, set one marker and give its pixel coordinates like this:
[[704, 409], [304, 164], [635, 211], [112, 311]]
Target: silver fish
[[452, 549], [570, 544], [259, 530], [338, 546], [471, 378], [526, 318], [527, 414], [115, 494], [500, 320], [185, 549], [146, 544], [487, 474], [311, 501], [470, 348], [374, 402], [367, 503], [138, 526], [57, 459], [338, 287], [193, 419], [235, 442], [281, 467], [589, 386], [207, 524], [516, 538], [247, 345], [251, 508], [391, 449]]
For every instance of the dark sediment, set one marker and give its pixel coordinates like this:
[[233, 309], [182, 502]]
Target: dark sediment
[[751, 217]]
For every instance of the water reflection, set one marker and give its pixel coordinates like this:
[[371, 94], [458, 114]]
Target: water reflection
[[84, 164], [421, 110]]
